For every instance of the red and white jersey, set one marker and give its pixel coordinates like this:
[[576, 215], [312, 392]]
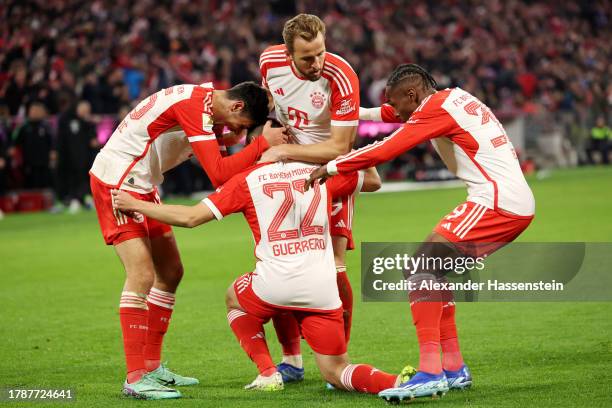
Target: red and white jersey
[[470, 140], [295, 259], [310, 108], [161, 132]]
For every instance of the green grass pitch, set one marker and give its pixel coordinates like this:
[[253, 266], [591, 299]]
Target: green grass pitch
[[60, 289]]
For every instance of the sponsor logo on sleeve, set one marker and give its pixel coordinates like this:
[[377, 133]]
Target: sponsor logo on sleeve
[[207, 122], [346, 106]]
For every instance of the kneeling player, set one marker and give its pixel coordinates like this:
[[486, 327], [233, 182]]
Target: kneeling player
[[295, 270]]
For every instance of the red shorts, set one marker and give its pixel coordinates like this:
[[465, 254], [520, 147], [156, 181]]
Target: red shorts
[[474, 223], [322, 329], [342, 219], [118, 227]]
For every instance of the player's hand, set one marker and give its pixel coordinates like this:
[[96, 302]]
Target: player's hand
[[275, 135], [124, 201], [273, 155], [318, 173]]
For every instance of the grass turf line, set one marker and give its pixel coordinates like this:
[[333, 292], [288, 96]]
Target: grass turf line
[[60, 327]]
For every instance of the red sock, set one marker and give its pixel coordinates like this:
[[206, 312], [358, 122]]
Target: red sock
[[346, 296], [133, 316], [451, 355], [250, 333], [160, 305], [288, 333], [426, 318], [365, 378]]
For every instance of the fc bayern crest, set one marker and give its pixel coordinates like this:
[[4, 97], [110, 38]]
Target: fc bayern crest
[[317, 99], [138, 217]]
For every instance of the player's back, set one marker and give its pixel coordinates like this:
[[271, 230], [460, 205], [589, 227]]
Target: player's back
[[478, 150], [294, 248], [295, 260], [135, 156]]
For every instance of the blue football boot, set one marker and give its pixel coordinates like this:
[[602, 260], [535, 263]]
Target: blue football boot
[[459, 379], [420, 385], [290, 373]]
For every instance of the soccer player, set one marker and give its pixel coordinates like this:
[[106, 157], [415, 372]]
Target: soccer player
[[161, 132], [500, 205], [316, 94], [294, 272]]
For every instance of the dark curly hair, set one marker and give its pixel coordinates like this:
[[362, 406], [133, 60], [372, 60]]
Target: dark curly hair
[[405, 71]]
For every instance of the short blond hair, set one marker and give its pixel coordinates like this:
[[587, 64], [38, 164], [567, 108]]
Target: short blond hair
[[306, 26]]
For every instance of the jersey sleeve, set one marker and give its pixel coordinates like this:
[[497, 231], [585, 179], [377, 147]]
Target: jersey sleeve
[[197, 123], [425, 124], [345, 184], [194, 118], [271, 56], [231, 197], [384, 113], [344, 100], [263, 70], [387, 114]]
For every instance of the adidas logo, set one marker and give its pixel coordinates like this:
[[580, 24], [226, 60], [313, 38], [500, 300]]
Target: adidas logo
[[341, 224], [259, 335], [447, 226], [279, 91]]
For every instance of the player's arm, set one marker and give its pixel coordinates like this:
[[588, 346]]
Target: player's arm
[[218, 168], [198, 128], [178, 215], [353, 183], [371, 180], [421, 127], [414, 132], [384, 113], [340, 142]]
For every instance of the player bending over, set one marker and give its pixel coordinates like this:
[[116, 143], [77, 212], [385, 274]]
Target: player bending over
[[161, 132], [499, 207], [316, 94], [294, 272]]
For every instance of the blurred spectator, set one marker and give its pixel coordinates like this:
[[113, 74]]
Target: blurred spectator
[[511, 54], [4, 149], [34, 143], [76, 144], [16, 91], [601, 138]]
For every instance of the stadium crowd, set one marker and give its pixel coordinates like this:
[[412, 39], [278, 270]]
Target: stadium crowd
[[66, 65]]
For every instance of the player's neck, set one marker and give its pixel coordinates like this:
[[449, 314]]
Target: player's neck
[[428, 92]]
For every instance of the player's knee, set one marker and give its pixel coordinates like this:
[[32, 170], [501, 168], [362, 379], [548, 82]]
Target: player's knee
[[171, 273], [177, 271], [331, 374], [231, 302], [140, 280], [331, 366]]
